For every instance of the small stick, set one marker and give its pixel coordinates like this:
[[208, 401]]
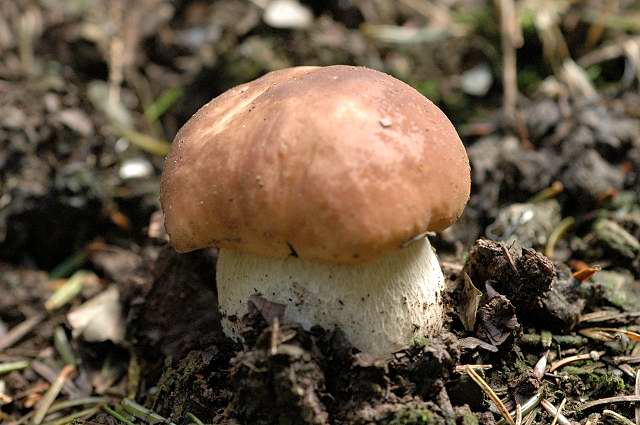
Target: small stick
[[194, 419], [68, 291], [559, 411], [606, 316], [593, 355], [626, 360], [61, 342], [507, 254], [13, 366], [50, 375], [625, 368], [83, 414], [531, 418], [616, 399], [492, 395], [463, 368], [617, 417], [552, 411], [61, 405], [550, 192], [26, 34], [604, 334], [275, 330], [510, 40], [637, 392], [556, 235], [51, 394], [117, 415], [19, 331], [133, 376], [143, 413]]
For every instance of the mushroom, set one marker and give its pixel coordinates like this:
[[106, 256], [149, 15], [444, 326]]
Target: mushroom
[[318, 185]]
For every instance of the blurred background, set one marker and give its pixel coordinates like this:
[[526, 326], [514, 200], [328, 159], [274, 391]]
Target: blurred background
[[544, 94], [92, 92]]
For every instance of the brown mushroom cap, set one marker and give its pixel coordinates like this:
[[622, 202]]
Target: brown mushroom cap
[[339, 164]]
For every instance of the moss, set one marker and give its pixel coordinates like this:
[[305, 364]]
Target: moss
[[420, 341], [520, 366], [376, 390], [582, 368], [412, 417], [605, 384], [465, 416], [192, 385], [592, 379], [514, 368]]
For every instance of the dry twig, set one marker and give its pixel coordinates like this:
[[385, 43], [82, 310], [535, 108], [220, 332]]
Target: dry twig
[[492, 395], [617, 417], [559, 411], [550, 408], [19, 331], [511, 39], [637, 393], [51, 394], [609, 400], [593, 355], [275, 331], [556, 235], [609, 334]]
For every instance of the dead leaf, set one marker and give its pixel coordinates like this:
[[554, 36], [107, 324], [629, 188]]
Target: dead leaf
[[99, 319], [468, 303]]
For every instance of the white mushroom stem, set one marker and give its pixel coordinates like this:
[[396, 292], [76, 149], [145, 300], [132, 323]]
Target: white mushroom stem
[[381, 306]]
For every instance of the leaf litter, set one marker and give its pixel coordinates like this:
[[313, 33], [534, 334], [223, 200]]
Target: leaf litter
[[100, 322]]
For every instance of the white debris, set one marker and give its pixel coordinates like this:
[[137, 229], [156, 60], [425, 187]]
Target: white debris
[[287, 14], [99, 319], [135, 168], [478, 80]]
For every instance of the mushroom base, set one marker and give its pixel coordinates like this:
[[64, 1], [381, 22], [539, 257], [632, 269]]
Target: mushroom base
[[381, 305]]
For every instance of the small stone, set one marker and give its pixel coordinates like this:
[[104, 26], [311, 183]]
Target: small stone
[[478, 80], [135, 168], [287, 14]]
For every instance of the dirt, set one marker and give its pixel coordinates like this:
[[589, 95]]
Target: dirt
[[543, 269]]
